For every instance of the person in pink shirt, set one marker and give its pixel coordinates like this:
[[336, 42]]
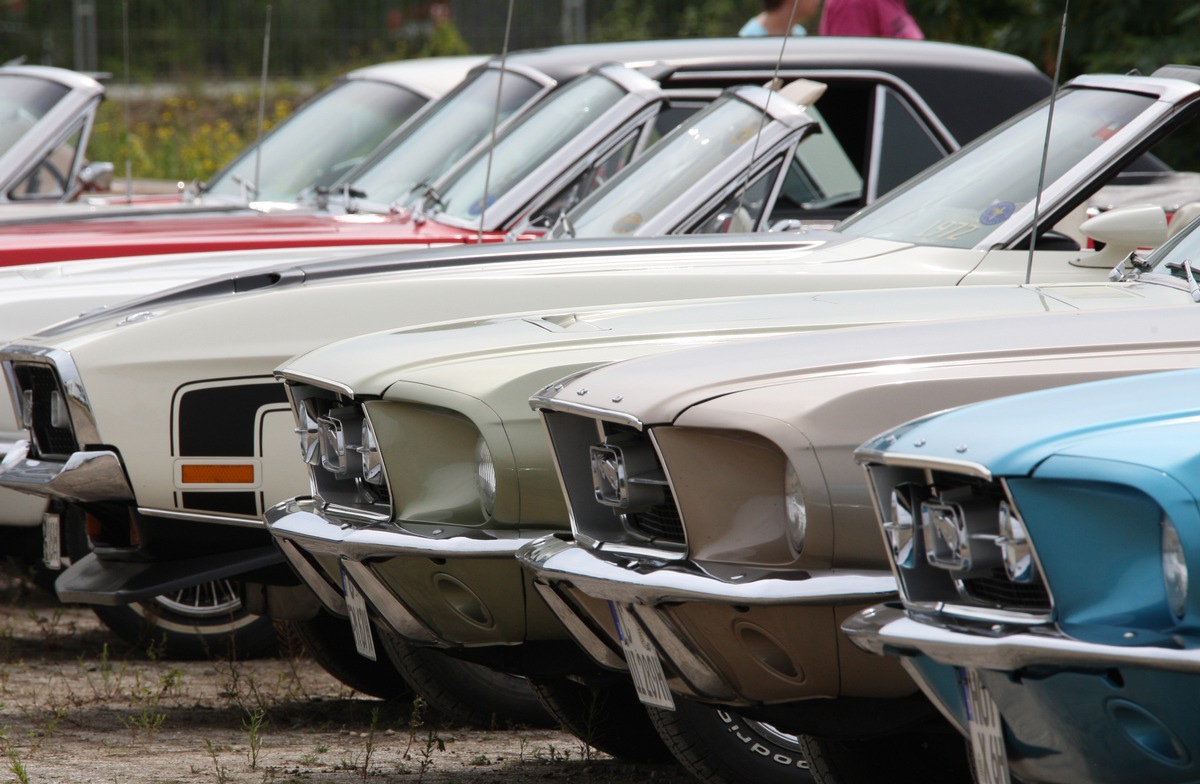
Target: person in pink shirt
[[872, 18]]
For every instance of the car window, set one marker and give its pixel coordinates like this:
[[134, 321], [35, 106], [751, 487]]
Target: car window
[[539, 135], [321, 142], [589, 180], [445, 134], [905, 147], [960, 201], [23, 101], [742, 212], [52, 177]]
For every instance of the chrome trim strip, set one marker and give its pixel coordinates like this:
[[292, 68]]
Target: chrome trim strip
[[553, 558], [84, 476], [909, 460], [549, 401], [701, 676], [592, 644], [201, 517], [316, 381], [879, 627], [333, 601], [388, 606]]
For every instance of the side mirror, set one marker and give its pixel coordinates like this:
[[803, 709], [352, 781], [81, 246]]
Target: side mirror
[[96, 177], [1123, 230]]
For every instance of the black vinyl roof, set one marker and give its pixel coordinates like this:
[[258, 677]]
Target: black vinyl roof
[[970, 89]]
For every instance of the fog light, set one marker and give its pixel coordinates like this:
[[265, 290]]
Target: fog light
[[485, 477], [333, 445], [372, 461], [309, 432], [1175, 575], [1015, 547], [901, 527]]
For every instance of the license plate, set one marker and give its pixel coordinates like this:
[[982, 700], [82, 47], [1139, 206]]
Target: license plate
[[644, 666], [987, 735], [51, 541], [360, 622]]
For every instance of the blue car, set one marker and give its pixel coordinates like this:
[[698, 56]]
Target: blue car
[[1042, 546]]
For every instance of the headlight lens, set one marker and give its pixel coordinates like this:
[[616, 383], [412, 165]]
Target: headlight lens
[[485, 477], [372, 462], [1014, 546], [901, 527], [1175, 576], [797, 513]]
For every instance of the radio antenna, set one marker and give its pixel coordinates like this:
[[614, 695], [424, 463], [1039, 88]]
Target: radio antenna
[[262, 104], [487, 177], [1037, 197], [762, 120], [128, 100]]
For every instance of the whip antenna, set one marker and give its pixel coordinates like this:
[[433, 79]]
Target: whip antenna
[[487, 177], [1037, 197]]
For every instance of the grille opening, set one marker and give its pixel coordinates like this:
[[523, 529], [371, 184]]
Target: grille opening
[[999, 591], [52, 437]]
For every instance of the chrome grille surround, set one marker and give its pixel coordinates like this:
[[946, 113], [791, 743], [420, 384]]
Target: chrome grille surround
[[50, 400], [338, 445], [947, 548], [618, 491]]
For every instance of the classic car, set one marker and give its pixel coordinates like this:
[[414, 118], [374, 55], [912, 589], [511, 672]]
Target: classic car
[[205, 367], [719, 520], [921, 101], [1041, 544], [46, 117]]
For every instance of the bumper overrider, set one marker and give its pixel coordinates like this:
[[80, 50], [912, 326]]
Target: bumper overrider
[[437, 585], [761, 642]]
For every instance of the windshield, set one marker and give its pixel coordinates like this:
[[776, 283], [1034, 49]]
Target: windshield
[[665, 171], [539, 136], [322, 141], [442, 137], [23, 101], [1184, 245], [962, 200]]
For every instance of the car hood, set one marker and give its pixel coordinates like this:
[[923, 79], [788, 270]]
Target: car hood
[[475, 356], [659, 389], [688, 264], [176, 231], [1122, 419]]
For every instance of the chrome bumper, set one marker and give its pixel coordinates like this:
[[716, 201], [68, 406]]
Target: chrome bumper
[[557, 562], [298, 528], [84, 476], [891, 630]]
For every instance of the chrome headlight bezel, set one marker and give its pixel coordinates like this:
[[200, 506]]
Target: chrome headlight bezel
[[485, 477], [1015, 547], [795, 508]]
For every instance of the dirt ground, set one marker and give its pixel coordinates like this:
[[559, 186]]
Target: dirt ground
[[75, 706]]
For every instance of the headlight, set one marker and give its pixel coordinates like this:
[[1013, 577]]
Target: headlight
[[1014, 546], [900, 527], [1175, 576], [797, 513], [372, 462], [485, 477], [309, 432]]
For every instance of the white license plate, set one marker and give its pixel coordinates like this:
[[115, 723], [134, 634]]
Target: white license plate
[[52, 541], [360, 622], [644, 666], [987, 734]]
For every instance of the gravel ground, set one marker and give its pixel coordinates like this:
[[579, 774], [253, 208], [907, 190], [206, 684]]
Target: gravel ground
[[77, 706]]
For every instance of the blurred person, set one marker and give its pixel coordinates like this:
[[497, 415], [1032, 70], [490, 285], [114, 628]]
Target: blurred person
[[871, 18], [775, 16]]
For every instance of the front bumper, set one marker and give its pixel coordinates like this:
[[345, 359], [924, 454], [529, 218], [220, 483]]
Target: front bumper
[[1071, 710], [82, 477], [444, 586], [762, 642]]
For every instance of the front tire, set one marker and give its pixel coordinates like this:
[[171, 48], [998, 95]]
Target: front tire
[[329, 640], [463, 692], [897, 758], [722, 747], [611, 719]]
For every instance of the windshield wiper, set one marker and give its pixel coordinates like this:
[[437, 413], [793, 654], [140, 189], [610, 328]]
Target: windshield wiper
[[1139, 265], [563, 223], [1186, 267]]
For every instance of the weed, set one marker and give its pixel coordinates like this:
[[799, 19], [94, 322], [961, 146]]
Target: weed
[[49, 728], [253, 724], [222, 773], [550, 755], [431, 743], [17, 767]]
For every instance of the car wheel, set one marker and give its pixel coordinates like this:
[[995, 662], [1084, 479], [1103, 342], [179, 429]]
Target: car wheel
[[899, 757], [722, 747], [464, 692], [200, 622], [330, 642], [611, 719]]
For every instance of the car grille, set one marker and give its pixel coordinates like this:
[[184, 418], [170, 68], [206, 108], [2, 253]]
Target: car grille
[[39, 386], [656, 524], [999, 591]]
